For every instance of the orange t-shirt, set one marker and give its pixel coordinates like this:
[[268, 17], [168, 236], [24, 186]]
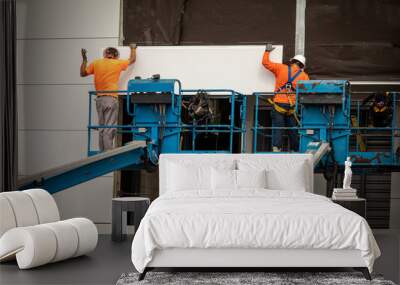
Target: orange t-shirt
[[106, 74], [281, 77]]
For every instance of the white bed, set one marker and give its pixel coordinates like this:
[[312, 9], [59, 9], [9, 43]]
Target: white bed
[[202, 220]]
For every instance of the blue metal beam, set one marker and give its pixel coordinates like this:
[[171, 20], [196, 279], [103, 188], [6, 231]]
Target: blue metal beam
[[86, 171]]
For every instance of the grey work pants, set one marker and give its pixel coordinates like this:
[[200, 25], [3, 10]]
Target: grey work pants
[[107, 112]]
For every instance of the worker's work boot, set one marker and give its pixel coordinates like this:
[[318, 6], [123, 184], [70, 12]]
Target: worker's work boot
[[276, 149]]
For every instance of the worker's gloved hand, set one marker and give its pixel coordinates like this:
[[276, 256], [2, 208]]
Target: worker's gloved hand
[[133, 46], [84, 52], [269, 47]]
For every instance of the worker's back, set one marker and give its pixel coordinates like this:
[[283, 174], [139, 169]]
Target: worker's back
[[281, 72], [282, 77], [107, 72]]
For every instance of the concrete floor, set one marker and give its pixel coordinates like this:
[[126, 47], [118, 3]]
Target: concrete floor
[[389, 263], [103, 266], [110, 260]]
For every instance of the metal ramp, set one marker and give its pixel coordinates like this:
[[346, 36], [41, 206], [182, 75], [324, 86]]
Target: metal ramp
[[71, 174]]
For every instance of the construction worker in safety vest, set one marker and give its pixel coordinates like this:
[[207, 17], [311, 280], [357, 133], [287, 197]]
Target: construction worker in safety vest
[[284, 101], [107, 71]]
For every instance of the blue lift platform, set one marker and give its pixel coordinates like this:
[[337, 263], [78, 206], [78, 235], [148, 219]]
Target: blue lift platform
[[329, 129], [330, 126], [333, 125], [154, 108]]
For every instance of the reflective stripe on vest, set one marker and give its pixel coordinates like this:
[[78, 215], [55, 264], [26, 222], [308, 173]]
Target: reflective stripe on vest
[[280, 109]]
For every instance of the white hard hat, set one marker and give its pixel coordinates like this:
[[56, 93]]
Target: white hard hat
[[300, 58]]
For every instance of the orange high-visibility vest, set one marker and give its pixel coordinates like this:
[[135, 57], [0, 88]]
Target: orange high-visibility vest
[[281, 78]]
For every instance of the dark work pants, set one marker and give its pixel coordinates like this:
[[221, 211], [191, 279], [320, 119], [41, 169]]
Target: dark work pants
[[281, 120]]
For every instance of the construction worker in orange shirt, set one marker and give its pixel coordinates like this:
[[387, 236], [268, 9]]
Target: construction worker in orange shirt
[[284, 101], [107, 71]]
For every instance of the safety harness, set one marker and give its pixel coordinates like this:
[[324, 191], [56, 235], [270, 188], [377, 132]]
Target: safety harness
[[380, 109], [288, 86]]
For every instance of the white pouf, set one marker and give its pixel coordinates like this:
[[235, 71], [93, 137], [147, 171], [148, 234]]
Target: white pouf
[[67, 240], [23, 208], [32, 246], [31, 233], [37, 245], [87, 233], [46, 207], [7, 220]]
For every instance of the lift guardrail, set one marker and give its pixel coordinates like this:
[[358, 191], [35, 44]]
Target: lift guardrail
[[385, 152], [138, 120]]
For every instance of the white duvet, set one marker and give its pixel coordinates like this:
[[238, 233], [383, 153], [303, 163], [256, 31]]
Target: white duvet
[[250, 219]]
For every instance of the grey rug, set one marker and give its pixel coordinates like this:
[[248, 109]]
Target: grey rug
[[273, 278]]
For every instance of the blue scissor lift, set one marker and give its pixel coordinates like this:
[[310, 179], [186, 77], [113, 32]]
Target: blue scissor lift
[[154, 108], [333, 125], [155, 125], [326, 114]]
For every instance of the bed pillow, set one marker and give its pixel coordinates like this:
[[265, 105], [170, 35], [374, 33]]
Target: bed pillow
[[223, 179], [291, 175], [183, 177], [251, 178], [294, 180], [188, 175], [228, 179]]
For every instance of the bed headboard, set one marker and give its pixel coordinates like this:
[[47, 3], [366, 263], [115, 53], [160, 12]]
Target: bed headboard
[[210, 159]]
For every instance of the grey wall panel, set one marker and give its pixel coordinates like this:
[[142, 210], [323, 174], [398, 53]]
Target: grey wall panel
[[395, 201], [319, 184], [52, 97], [91, 200], [56, 61], [21, 153], [46, 149], [54, 107], [395, 187], [395, 213], [67, 18]]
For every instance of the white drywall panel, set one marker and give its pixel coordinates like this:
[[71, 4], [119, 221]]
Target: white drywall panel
[[230, 67], [67, 18], [55, 62], [91, 199], [54, 107], [205, 67], [42, 149]]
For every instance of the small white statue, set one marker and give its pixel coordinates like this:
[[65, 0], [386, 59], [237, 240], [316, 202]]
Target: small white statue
[[347, 174]]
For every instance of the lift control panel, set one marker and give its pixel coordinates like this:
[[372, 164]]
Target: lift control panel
[[324, 108]]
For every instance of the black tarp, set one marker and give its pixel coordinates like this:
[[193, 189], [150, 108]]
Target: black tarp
[[210, 22], [152, 22], [353, 39], [350, 39]]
